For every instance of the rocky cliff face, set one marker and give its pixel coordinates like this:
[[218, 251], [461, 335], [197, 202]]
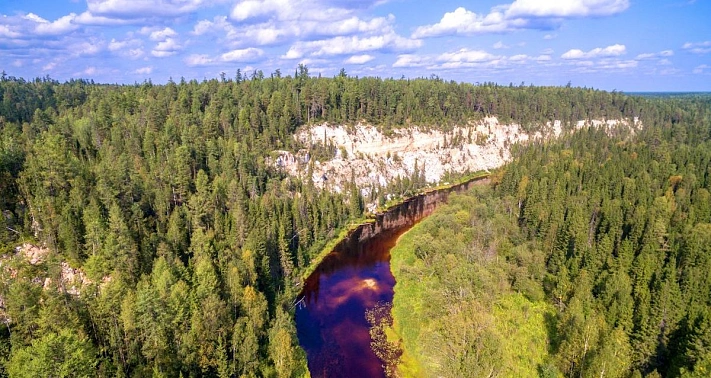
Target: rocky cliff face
[[375, 159]]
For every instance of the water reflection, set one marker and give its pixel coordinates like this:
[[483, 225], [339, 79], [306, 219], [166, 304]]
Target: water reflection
[[330, 317], [331, 320]]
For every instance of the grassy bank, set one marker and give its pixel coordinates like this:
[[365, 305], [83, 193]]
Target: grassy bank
[[455, 311], [327, 246]]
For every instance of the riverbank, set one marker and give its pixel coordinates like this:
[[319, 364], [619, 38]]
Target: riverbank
[[455, 312], [345, 232]]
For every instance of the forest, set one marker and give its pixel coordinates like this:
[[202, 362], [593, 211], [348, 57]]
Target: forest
[[192, 244], [586, 257]]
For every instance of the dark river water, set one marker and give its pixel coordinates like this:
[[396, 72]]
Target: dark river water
[[354, 277]]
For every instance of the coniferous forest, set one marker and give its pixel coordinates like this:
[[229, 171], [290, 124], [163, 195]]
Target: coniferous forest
[[586, 257], [193, 244]]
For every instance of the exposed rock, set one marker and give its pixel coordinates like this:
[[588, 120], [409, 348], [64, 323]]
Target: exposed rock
[[72, 279], [375, 159]]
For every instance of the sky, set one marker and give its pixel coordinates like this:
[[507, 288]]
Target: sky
[[624, 45]]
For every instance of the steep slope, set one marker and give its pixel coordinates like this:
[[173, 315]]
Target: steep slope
[[373, 159]]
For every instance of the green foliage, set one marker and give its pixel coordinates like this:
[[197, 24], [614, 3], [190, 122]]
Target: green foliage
[[456, 307], [55, 355], [607, 230], [193, 242]]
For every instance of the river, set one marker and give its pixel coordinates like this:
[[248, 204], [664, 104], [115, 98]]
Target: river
[[355, 276]]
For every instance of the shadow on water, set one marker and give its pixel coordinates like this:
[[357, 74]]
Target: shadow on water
[[355, 276]]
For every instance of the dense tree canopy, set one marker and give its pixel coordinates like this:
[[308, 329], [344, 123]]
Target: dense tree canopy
[[606, 233], [164, 197]]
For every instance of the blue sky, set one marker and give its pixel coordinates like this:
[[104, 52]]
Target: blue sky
[[628, 45]]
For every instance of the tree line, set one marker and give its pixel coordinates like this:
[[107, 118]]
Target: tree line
[[606, 235], [192, 242]]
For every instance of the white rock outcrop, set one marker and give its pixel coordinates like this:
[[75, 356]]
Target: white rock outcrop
[[376, 159]]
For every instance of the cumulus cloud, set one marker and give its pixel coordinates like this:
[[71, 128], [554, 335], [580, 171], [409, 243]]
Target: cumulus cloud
[[410, 60], [462, 21], [351, 45], [268, 22], [131, 48], [166, 48], [651, 56], [614, 50], [240, 55], [566, 9], [86, 18], [49, 66], [37, 25], [121, 9], [521, 14], [698, 47], [143, 70], [462, 58], [162, 35], [466, 55], [359, 59], [91, 46], [500, 45], [305, 10], [7, 32], [62, 25], [701, 69]]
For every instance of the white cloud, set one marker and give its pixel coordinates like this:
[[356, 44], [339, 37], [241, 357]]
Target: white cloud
[[701, 69], [466, 55], [614, 50], [60, 26], [135, 53], [651, 56], [86, 47], [550, 36], [134, 9], [351, 45], [116, 45], [198, 60], [604, 65], [240, 55], [698, 47], [646, 56], [500, 45], [547, 51], [566, 9], [269, 22], [144, 70], [410, 60], [521, 14], [49, 66], [166, 48], [86, 18], [304, 10], [359, 59], [463, 58], [90, 71], [243, 55], [131, 48], [162, 35], [7, 32], [462, 21]]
